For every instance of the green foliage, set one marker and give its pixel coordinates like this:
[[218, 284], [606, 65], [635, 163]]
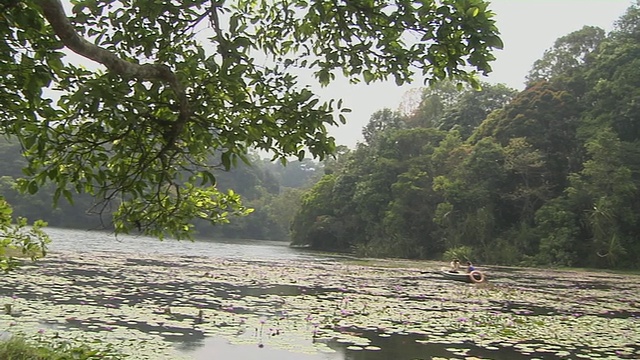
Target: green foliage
[[608, 190], [546, 177], [547, 117], [263, 185], [18, 239], [558, 227], [613, 82], [462, 253], [283, 209], [312, 225], [17, 348], [471, 108], [180, 84], [433, 102], [528, 189], [568, 55], [379, 123]]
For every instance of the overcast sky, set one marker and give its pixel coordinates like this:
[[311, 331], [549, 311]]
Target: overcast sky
[[527, 27]]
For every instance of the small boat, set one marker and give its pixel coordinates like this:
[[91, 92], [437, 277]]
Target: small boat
[[473, 277]]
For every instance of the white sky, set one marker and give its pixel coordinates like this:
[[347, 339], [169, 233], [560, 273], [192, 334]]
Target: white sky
[[527, 27]]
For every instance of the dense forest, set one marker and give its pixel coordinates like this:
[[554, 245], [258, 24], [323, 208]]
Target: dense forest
[[545, 176]]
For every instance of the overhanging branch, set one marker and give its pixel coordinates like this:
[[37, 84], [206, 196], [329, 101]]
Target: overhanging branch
[[54, 12]]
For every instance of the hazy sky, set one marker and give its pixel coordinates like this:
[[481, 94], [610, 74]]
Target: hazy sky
[[527, 27]]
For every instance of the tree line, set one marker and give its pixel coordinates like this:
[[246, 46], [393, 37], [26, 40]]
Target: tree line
[[544, 176]]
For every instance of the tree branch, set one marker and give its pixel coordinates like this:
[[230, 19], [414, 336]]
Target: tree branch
[[54, 12]]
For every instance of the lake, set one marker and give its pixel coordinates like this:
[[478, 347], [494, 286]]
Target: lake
[[248, 299]]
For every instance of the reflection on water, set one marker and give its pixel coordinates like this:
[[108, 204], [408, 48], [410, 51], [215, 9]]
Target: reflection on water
[[237, 281]]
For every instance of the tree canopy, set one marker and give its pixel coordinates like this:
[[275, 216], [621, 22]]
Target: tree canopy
[[182, 82]]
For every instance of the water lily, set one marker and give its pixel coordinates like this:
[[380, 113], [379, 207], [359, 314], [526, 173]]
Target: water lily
[[317, 320]]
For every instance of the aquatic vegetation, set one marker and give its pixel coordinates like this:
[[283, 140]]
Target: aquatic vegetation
[[158, 307]]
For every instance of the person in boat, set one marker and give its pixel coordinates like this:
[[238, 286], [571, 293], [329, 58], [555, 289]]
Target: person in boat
[[470, 267], [455, 265]]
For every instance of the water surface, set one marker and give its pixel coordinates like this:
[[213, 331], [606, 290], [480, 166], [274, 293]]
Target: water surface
[[219, 300]]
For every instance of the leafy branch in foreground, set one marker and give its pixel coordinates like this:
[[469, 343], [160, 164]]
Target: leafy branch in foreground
[[19, 240], [185, 89]]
